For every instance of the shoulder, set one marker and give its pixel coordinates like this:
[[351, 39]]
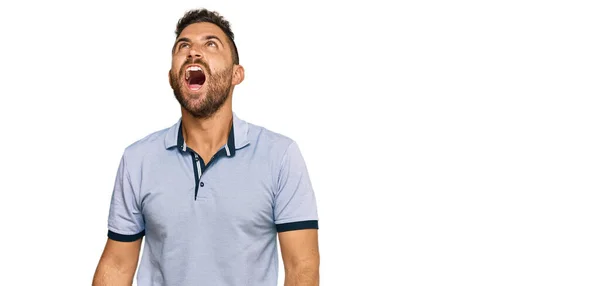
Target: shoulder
[[270, 141], [147, 145], [278, 150]]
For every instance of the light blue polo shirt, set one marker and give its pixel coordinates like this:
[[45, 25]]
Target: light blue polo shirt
[[211, 224]]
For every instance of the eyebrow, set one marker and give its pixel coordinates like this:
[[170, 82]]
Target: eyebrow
[[184, 39], [210, 37]]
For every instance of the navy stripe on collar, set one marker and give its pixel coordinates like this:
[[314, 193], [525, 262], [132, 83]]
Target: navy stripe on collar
[[229, 147]]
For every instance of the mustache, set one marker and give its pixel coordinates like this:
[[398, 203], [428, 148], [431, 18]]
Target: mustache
[[197, 61]]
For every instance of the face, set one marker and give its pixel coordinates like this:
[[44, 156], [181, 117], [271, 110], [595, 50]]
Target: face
[[202, 72]]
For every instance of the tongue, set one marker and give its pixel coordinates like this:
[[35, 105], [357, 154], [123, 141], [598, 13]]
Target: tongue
[[195, 86]]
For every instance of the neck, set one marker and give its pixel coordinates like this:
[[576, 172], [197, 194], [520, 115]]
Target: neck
[[207, 135]]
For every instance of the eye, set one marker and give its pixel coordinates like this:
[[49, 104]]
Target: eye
[[184, 45], [211, 44]]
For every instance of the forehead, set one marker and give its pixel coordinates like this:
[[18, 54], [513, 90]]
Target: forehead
[[199, 30]]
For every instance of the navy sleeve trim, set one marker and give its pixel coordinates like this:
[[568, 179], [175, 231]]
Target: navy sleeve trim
[[125, 238], [307, 224]]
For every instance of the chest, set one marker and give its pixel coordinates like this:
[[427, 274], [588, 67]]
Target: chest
[[228, 196]]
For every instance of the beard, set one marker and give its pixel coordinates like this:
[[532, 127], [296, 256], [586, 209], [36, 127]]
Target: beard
[[216, 88]]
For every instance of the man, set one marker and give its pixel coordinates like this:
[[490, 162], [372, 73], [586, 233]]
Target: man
[[212, 193]]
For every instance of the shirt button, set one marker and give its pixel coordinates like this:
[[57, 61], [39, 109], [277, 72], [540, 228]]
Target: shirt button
[[201, 184]]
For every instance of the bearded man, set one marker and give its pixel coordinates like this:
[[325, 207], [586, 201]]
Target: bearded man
[[212, 194]]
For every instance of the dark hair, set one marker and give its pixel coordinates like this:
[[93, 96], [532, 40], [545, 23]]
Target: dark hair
[[200, 16]]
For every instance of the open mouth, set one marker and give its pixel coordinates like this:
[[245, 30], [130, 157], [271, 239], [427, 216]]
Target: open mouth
[[194, 77]]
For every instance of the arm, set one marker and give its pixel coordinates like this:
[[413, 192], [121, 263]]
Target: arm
[[125, 231], [296, 220], [300, 253], [118, 263]]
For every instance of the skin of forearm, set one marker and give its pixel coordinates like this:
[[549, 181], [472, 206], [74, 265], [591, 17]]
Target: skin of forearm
[[302, 275], [112, 274]]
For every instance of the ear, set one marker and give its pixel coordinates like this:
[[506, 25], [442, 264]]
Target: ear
[[170, 79], [238, 75]]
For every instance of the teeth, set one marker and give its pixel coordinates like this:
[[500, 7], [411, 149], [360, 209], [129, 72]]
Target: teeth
[[194, 68]]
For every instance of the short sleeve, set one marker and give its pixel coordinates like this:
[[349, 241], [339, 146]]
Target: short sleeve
[[125, 220], [295, 203]]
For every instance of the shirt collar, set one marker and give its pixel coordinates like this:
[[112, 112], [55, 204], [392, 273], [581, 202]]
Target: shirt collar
[[237, 139]]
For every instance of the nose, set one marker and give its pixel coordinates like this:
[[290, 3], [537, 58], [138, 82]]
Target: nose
[[194, 53]]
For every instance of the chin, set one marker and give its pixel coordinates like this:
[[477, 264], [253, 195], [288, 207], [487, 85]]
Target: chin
[[194, 97]]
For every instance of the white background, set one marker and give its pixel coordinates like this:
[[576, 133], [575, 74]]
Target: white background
[[449, 142]]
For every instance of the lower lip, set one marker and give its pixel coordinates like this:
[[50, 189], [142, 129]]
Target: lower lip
[[194, 87]]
